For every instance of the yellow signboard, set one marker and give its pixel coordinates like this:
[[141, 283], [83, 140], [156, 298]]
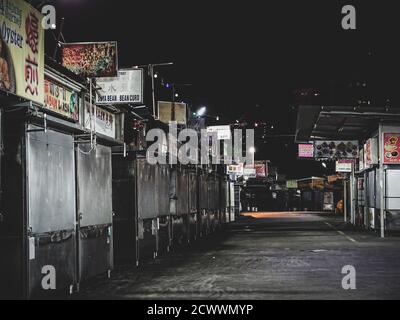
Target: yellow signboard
[[21, 50]]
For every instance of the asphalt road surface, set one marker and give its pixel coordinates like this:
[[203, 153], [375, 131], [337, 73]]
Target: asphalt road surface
[[265, 256]]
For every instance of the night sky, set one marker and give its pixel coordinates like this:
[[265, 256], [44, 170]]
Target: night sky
[[246, 60]]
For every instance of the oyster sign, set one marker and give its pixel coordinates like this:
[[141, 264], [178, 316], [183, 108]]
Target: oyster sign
[[21, 50]]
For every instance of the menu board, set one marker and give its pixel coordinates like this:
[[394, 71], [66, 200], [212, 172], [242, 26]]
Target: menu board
[[306, 150], [391, 148]]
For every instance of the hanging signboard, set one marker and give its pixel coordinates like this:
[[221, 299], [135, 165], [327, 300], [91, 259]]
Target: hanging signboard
[[126, 88], [61, 100], [336, 149], [249, 173], [344, 166], [306, 150], [291, 184], [168, 111], [103, 123], [261, 169], [21, 50], [223, 132], [361, 160], [391, 148], [95, 59], [371, 152], [235, 169]]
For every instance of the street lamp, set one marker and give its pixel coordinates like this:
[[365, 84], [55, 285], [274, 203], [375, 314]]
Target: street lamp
[[201, 112], [154, 76]]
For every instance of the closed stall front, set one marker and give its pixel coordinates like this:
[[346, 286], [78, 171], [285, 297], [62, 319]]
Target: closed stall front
[[124, 207], [213, 198], [393, 199], [193, 205], [51, 207], [38, 207], [147, 213], [223, 200], [371, 198], [203, 219], [94, 181], [163, 222], [180, 216]]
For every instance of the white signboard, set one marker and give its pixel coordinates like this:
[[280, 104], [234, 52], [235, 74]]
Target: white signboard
[[344, 166], [235, 169], [103, 123], [250, 173], [223, 132], [361, 160], [127, 88]]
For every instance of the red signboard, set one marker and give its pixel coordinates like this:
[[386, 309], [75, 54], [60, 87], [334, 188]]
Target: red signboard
[[261, 171], [96, 59], [391, 148]]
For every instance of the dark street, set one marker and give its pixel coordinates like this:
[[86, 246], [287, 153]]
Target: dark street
[[265, 256], [178, 151]]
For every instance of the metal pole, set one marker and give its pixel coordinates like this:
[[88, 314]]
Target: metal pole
[[153, 95], [173, 115], [353, 195], [383, 202], [382, 184], [345, 200]]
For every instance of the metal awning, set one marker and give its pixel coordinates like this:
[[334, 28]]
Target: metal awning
[[341, 122]]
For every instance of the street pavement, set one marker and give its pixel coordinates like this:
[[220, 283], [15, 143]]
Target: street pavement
[[265, 256]]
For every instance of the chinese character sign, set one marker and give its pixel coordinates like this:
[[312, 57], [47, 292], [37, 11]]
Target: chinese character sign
[[61, 99], [21, 50]]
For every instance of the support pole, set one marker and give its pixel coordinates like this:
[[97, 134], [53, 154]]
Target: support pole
[[345, 199], [382, 184]]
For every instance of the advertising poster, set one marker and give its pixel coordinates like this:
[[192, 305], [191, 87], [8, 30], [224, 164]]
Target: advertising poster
[[336, 149], [126, 88], [91, 60], [391, 148], [21, 50], [61, 99]]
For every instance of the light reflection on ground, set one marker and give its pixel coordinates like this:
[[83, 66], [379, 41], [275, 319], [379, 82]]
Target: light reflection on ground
[[286, 214]]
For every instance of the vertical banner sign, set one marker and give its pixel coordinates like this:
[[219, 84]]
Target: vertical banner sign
[[21, 50], [361, 160], [97, 59], [391, 148], [371, 152]]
